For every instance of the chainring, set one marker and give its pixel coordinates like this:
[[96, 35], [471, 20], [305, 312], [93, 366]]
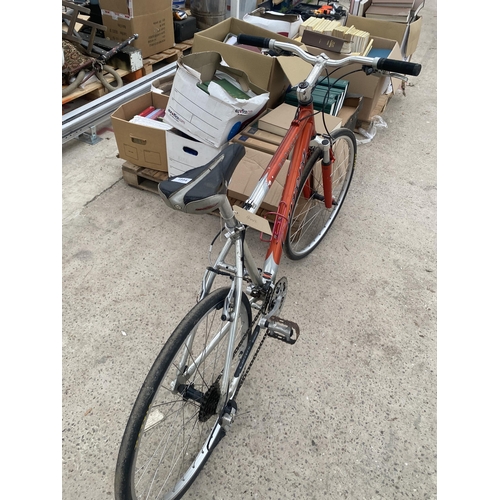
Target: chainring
[[278, 294]]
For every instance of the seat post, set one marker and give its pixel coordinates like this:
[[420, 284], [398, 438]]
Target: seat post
[[227, 213]]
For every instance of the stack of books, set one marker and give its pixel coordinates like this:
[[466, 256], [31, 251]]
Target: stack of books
[[266, 133], [327, 97], [399, 11], [355, 41]]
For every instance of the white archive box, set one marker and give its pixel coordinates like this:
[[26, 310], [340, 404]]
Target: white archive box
[[200, 105], [185, 153]]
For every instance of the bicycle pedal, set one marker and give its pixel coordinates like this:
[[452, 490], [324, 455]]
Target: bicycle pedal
[[282, 329]]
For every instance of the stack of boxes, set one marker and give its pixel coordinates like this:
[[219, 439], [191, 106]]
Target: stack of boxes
[[198, 124], [152, 20]]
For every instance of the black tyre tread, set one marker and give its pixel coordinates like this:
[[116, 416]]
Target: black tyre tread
[[150, 386], [336, 134]]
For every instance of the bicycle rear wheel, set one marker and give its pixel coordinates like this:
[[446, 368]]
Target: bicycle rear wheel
[[310, 219], [171, 433]]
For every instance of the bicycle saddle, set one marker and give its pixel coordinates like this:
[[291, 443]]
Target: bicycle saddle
[[202, 189]]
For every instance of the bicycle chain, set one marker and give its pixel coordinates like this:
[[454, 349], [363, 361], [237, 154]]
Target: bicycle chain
[[249, 366]]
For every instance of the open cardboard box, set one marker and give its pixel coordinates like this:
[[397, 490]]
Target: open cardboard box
[[139, 144], [368, 86], [264, 71], [213, 115], [282, 24], [407, 35]]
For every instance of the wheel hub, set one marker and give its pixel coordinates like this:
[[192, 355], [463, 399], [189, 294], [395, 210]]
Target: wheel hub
[[209, 402]]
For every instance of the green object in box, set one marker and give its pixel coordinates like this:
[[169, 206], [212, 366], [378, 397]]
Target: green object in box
[[231, 89], [326, 97]]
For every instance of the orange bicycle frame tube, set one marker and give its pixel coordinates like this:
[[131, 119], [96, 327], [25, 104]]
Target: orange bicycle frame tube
[[301, 131]]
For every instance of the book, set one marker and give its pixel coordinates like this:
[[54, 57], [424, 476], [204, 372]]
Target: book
[[229, 87], [278, 120], [394, 14], [253, 131], [255, 143], [363, 6], [343, 40], [379, 53], [328, 96], [394, 3]]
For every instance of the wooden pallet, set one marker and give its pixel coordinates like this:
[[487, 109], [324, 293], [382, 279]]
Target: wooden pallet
[[142, 178], [148, 179], [168, 56], [93, 90]]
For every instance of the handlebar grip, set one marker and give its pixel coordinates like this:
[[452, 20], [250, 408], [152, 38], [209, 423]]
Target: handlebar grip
[[254, 41], [403, 67]]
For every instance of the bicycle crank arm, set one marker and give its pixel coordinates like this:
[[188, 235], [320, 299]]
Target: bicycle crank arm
[[282, 329]]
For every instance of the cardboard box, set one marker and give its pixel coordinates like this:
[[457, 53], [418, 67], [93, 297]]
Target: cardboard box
[[350, 111], [370, 87], [264, 71], [247, 174], [134, 8], [407, 35], [283, 24], [163, 85], [139, 144], [277, 121], [185, 153], [155, 29], [212, 116]]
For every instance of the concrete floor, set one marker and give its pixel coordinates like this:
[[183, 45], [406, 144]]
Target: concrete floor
[[349, 412]]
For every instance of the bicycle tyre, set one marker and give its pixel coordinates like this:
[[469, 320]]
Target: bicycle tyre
[[191, 423], [310, 220]]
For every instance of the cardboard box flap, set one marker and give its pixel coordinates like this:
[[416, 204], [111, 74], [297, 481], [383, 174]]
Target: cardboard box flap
[[203, 65], [295, 69]]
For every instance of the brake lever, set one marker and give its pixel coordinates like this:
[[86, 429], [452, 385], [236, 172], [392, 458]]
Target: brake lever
[[378, 72], [404, 78]]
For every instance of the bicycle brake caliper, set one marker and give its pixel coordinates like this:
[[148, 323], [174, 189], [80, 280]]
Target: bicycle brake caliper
[[227, 314]]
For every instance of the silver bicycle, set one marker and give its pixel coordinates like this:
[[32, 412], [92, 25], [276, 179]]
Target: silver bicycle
[[188, 400]]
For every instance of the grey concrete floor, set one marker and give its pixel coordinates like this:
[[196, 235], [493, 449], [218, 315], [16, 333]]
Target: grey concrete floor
[[349, 412]]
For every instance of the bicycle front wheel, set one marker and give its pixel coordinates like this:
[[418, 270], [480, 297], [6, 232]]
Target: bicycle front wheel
[[310, 218], [174, 427]]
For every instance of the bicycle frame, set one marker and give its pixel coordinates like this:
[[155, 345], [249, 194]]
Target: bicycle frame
[[296, 143]]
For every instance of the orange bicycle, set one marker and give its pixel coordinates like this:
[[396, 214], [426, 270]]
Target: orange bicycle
[[188, 400]]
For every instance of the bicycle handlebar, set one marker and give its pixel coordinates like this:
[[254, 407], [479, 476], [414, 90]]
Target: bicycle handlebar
[[403, 67], [377, 63]]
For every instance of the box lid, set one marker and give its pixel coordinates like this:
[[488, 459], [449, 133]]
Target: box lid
[[134, 8]]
